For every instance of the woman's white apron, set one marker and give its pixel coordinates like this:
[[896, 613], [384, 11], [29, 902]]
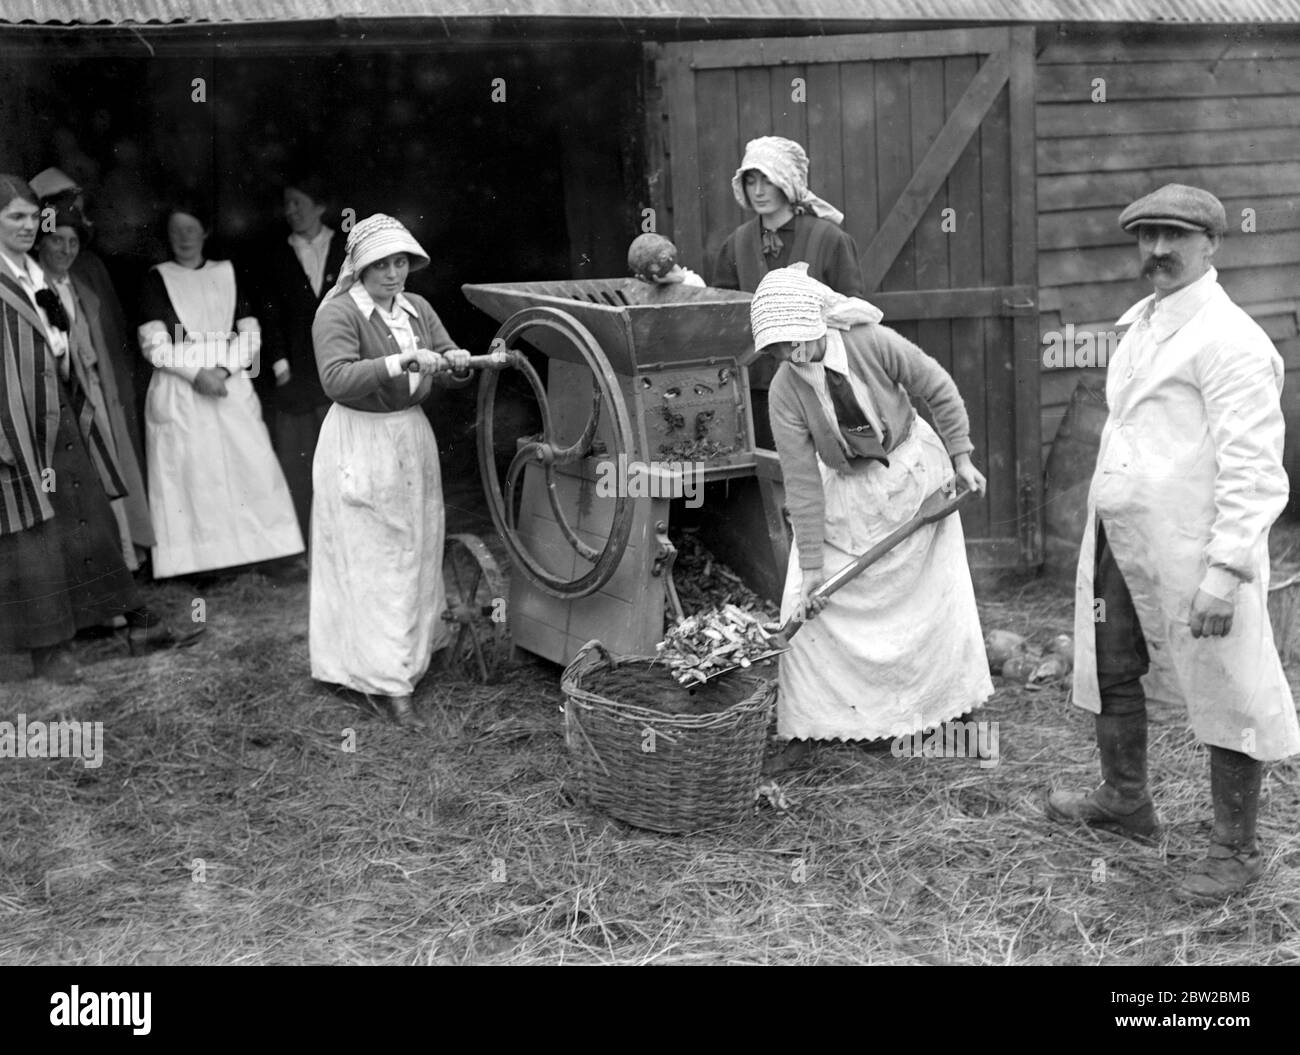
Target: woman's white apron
[[217, 495], [898, 649], [376, 553]]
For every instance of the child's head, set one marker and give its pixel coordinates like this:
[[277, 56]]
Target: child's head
[[651, 257]]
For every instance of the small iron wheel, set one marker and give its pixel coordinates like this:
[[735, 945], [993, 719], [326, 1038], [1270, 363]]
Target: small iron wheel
[[475, 608]]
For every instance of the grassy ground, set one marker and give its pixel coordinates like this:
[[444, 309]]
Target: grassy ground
[[229, 824]]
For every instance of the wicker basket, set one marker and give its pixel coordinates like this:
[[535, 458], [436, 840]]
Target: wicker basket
[[665, 772]]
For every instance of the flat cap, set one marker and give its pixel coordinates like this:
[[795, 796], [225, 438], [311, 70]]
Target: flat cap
[[1177, 205]]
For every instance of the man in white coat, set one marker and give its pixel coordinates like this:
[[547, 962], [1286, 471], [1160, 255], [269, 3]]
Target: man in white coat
[[1173, 571]]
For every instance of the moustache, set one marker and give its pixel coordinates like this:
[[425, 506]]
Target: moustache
[[1153, 264]]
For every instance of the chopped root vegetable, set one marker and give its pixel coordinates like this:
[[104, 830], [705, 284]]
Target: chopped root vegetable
[[715, 640]]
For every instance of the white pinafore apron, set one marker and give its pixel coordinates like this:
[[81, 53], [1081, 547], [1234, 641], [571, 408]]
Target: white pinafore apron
[[376, 551], [898, 649], [217, 495]]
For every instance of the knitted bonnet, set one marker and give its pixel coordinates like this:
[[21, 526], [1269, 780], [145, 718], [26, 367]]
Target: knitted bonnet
[[373, 239]]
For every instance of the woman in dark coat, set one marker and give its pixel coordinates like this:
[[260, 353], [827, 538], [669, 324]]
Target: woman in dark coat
[[115, 351], [299, 270], [791, 224], [58, 247], [61, 567]]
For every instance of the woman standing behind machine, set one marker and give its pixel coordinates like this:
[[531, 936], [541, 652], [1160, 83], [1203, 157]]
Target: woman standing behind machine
[[791, 224], [377, 515], [899, 648]]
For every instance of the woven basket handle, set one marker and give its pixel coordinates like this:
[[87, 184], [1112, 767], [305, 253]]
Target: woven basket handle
[[589, 656]]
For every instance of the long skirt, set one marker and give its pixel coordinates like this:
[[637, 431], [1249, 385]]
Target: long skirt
[[376, 551], [65, 573], [899, 648], [217, 496]]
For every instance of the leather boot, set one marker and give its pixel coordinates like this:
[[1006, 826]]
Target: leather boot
[[147, 632], [1233, 861], [57, 663], [1122, 804], [404, 714]]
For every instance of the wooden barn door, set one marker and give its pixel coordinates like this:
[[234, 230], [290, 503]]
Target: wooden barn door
[[926, 142]]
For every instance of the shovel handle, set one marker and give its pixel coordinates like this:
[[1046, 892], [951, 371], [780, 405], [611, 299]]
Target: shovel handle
[[935, 507]]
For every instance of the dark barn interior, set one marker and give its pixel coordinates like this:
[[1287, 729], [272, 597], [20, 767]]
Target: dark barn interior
[[532, 184], [397, 110]]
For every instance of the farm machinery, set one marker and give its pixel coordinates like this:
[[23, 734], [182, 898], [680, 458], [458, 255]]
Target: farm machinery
[[644, 412]]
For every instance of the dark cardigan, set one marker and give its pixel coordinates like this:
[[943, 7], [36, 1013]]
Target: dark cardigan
[[351, 350], [830, 252]]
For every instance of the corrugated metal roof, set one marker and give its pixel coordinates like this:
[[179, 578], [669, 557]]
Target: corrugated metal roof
[[92, 12]]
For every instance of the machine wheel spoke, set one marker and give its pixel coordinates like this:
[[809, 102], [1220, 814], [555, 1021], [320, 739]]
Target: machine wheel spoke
[[522, 457], [586, 552]]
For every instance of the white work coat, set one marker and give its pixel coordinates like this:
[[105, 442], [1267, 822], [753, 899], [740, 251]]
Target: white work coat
[[1189, 480]]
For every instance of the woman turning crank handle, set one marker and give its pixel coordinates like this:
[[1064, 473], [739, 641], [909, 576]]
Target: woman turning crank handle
[[899, 648], [377, 527]]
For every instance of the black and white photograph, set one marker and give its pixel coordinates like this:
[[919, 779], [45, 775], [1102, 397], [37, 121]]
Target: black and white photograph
[[623, 482]]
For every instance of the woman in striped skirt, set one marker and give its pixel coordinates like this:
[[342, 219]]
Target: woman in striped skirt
[[61, 564]]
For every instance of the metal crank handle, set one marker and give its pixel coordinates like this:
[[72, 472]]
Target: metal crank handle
[[476, 362]]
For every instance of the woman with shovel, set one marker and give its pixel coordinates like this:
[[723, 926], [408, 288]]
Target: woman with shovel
[[898, 648]]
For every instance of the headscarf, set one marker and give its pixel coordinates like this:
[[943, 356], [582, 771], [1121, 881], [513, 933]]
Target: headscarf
[[791, 305], [785, 164], [370, 240]]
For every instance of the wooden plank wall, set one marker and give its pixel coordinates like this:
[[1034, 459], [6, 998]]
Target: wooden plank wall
[[1217, 108], [867, 127]]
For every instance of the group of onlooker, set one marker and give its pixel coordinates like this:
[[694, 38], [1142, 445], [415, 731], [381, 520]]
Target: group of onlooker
[[233, 408]]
